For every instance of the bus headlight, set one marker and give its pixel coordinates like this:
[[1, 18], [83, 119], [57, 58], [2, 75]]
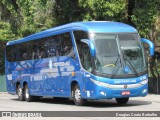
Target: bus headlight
[[102, 84], [144, 82]]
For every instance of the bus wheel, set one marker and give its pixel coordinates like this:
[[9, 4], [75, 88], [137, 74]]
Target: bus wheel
[[122, 100], [27, 95], [20, 93], [77, 96]]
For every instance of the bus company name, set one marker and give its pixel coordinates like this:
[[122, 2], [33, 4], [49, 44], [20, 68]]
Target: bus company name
[[56, 64], [124, 81], [61, 64]]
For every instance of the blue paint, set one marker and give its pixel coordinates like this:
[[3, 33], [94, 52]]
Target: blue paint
[[151, 45]]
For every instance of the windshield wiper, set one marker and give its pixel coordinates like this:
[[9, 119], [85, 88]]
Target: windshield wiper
[[130, 64], [115, 69], [133, 68]]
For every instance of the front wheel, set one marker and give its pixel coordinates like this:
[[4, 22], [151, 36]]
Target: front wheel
[[27, 95], [122, 100], [78, 100]]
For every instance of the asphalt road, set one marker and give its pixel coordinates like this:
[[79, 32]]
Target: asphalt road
[[148, 103]]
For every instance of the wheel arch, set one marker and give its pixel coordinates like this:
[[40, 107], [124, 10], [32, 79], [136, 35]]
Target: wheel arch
[[21, 84], [73, 83], [17, 84], [25, 83]]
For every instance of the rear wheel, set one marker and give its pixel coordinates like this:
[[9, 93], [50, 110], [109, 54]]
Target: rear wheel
[[27, 95], [122, 100], [78, 100], [20, 93]]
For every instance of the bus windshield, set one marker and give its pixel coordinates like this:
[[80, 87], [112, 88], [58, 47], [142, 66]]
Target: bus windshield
[[119, 54]]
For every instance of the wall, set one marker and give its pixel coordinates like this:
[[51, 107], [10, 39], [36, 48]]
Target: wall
[[2, 84]]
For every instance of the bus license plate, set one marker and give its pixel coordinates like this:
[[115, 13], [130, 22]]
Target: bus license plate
[[126, 93]]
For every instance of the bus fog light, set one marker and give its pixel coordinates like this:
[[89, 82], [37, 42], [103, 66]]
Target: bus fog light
[[102, 93], [144, 91]]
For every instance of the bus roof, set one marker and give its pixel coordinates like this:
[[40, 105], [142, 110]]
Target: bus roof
[[90, 26]]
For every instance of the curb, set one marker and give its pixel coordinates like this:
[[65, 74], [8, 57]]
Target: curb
[[3, 92]]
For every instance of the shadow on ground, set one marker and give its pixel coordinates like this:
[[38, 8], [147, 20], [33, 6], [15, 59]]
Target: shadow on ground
[[91, 103]]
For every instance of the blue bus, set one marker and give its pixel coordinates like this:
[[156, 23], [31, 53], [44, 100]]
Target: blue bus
[[82, 60]]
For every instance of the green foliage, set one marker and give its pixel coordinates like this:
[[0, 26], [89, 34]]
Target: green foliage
[[28, 16], [5, 35], [5, 32], [144, 16], [104, 9], [65, 11], [43, 16]]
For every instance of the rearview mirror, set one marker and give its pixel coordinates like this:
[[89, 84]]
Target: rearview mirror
[[91, 46], [151, 45]]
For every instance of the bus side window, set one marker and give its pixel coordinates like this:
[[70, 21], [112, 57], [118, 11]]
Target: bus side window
[[86, 57], [40, 53], [66, 45], [18, 53], [51, 46], [10, 53], [34, 52], [83, 49], [24, 56]]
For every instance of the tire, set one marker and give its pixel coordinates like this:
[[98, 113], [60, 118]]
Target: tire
[[27, 95], [122, 100], [77, 96], [20, 93]]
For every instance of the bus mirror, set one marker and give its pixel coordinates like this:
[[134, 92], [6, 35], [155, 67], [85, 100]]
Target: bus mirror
[[91, 46], [151, 45]]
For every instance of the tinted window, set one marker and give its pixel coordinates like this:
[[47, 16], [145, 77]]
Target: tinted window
[[67, 48], [57, 45], [83, 49], [52, 46]]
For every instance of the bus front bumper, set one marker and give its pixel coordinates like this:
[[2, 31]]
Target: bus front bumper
[[109, 93]]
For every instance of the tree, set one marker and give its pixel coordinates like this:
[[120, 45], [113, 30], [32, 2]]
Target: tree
[[144, 16], [65, 11], [104, 10], [5, 35], [27, 16]]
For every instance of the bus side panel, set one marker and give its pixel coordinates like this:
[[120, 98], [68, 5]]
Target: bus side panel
[[68, 69], [11, 77], [45, 78], [10, 84]]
